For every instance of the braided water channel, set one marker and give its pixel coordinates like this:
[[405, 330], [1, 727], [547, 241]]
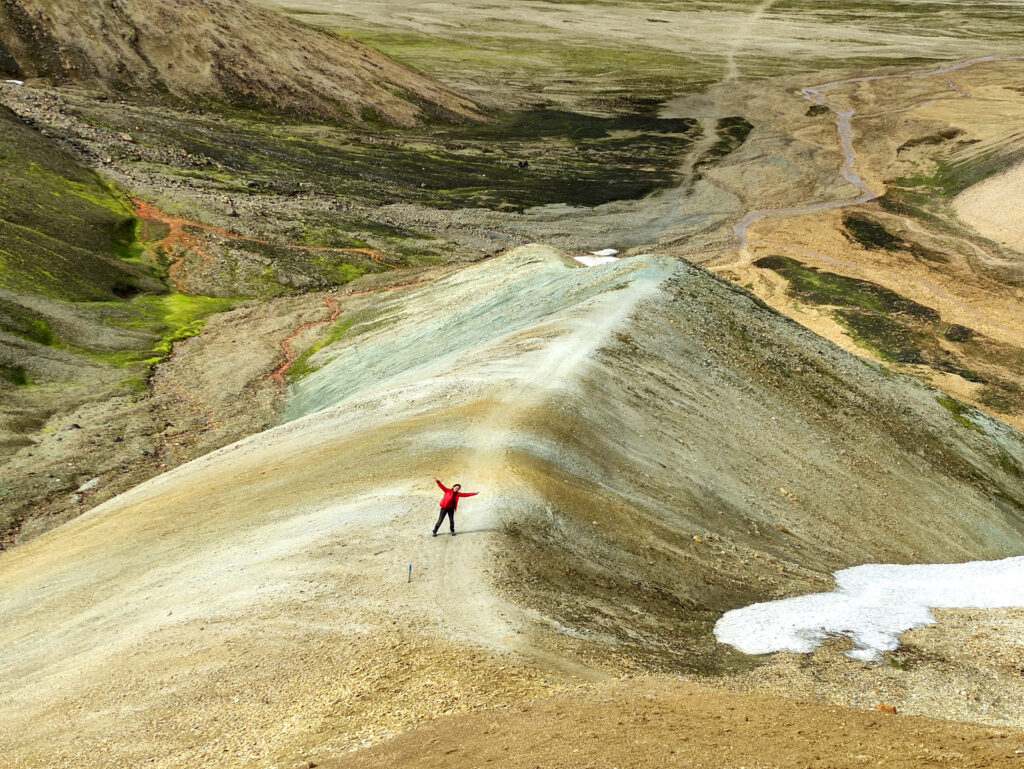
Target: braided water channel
[[818, 96]]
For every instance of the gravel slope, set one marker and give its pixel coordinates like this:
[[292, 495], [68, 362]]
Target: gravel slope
[[651, 445], [658, 723]]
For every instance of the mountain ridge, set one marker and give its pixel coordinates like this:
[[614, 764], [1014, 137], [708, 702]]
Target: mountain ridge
[[652, 446]]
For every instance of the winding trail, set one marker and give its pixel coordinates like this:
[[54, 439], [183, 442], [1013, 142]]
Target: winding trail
[[675, 198], [556, 365], [740, 39]]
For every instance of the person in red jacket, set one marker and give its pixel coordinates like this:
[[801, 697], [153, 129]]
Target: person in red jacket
[[449, 502]]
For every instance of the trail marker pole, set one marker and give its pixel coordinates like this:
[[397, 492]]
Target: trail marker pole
[[410, 573]]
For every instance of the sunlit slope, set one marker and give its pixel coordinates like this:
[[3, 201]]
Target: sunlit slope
[[215, 51], [608, 416]]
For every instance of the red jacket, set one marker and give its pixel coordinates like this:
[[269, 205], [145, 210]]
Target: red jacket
[[451, 498]]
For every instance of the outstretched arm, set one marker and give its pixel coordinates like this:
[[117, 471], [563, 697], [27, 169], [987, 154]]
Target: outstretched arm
[[443, 487], [468, 493]]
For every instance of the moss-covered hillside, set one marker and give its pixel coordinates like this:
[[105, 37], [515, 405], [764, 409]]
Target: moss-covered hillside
[[63, 232]]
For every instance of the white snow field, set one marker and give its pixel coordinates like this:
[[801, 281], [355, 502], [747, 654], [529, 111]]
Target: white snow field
[[872, 605], [594, 261]]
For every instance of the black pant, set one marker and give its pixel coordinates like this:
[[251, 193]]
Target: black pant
[[450, 512]]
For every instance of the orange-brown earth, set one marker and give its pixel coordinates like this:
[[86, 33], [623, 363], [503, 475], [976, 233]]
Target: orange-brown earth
[[181, 236], [918, 141], [658, 722]]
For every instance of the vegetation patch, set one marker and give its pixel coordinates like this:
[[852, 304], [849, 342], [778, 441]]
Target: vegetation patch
[[926, 195], [515, 161], [929, 140], [961, 412], [15, 375], [169, 318], [873, 236], [72, 258], [899, 330], [949, 178], [827, 288], [958, 333], [1001, 396], [1008, 465], [302, 366], [17, 320], [889, 339], [63, 233], [732, 132], [870, 234]]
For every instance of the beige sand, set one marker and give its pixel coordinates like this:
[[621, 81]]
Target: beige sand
[[995, 208]]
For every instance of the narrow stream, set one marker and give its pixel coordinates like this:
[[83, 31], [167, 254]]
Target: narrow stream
[[817, 95]]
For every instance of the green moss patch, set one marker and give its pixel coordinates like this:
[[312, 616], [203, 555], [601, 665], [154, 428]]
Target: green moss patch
[[899, 330], [949, 178], [350, 326], [168, 318], [17, 320], [302, 367], [927, 195], [891, 340], [63, 232], [1009, 466], [827, 288], [961, 412], [15, 375]]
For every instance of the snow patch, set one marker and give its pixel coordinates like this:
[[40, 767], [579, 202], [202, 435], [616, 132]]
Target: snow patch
[[872, 605], [605, 252], [15, 82], [593, 261]]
